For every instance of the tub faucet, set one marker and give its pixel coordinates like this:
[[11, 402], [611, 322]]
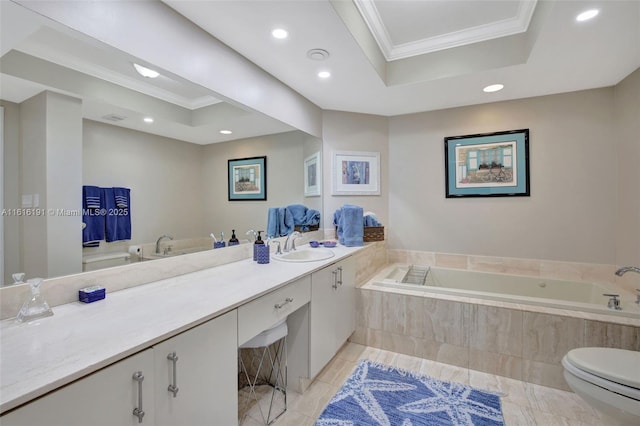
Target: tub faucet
[[162, 237], [620, 272], [614, 302], [291, 237]]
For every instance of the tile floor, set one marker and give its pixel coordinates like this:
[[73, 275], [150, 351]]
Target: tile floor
[[523, 404]]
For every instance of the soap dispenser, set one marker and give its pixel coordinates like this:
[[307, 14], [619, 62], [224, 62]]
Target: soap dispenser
[[35, 306], [257, 243], [233, 241]]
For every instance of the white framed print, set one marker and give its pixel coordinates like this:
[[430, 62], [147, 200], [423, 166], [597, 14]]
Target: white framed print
[[313, 175], [355, 173]]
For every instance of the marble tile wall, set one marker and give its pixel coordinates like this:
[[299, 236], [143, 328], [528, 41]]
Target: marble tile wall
[[572, 271], [512, 343]]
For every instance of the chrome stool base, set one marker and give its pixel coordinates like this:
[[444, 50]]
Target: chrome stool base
[[267, 366]]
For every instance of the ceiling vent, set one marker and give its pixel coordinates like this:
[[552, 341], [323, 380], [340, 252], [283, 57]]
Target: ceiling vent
[[113, 117], [317, 54]]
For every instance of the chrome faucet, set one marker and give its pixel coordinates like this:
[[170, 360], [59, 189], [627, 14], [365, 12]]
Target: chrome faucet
[[254, 233], [292, 237], [160, 239], [620, 272]]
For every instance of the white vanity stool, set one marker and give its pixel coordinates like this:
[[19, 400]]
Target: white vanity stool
[[273, 373]]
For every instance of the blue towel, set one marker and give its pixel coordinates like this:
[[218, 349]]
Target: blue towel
[[118, 220], [273, 223], [352, 224], [370, 220], [286, 221], [298, 213], [122, 197], [92, 216], [312, 217]]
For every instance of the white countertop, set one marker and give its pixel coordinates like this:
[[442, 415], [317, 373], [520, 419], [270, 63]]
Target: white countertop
[[80, 338]]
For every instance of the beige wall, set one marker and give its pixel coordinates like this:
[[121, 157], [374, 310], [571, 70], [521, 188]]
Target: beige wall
[[345, 131], [285, 181], [165, 177], [571, 213], [627, 138]]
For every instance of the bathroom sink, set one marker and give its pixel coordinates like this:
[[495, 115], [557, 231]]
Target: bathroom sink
[[305, 255]]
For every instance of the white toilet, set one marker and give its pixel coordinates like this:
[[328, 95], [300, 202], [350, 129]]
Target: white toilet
[[608, 379]]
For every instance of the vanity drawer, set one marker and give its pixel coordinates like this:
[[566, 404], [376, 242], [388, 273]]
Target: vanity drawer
[[262, 313]]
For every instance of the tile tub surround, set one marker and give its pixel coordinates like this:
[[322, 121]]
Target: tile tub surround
[[62, 290], [500, 338], [571, 271]]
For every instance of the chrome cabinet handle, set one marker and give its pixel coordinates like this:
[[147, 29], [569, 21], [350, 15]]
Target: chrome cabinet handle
[[337, 281], [173, 387], [138, 411], [280, 305]]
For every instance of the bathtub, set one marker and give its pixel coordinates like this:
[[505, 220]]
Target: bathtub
[[523, 290]]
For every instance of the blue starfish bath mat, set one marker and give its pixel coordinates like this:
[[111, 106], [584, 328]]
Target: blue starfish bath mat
[[377, 394]]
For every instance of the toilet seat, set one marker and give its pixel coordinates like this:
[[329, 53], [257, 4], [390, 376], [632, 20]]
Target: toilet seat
[[616, 370]]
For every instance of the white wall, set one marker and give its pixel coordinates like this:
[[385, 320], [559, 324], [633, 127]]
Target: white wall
[[571, 213], [345, 131]]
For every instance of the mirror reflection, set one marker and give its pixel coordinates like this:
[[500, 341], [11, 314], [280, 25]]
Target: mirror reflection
[[74, 115]]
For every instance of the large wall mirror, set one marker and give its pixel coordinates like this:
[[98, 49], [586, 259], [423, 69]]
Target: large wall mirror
[[74, 113]]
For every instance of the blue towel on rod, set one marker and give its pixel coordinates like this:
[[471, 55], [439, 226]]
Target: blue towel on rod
[[118, 220], [273, 223], [92, 216], [312, 217], [352, 224], [122, 197], [298, 213]]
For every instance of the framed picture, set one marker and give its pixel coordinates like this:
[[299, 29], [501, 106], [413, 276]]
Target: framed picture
[[356, 173], [487, 165], [313, 176], [247, 179]]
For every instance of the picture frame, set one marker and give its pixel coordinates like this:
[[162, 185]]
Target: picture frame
[[487, 165], [247, 179], [313, 175], [355, 173]]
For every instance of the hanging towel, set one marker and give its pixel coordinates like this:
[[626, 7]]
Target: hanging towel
[[352, 224], [92, 216], [118, 220], [312, 217], [273, 223], [122, 197], [285, 219]]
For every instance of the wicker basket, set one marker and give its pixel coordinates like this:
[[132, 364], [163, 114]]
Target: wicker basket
[[311, 228], [371, 233]]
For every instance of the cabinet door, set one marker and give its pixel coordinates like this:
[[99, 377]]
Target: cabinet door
[[332, 316], [104, 398], [206, 375], [346, 302], [322, 322]]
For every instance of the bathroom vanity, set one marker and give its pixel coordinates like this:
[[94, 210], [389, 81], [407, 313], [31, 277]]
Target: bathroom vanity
[[166, 352]]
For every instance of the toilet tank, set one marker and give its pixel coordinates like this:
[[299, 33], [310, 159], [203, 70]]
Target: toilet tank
[[106, 260]]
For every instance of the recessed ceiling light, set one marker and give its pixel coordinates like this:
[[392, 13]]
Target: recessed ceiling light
[[324, 74], [146, 72], [148, 120], [493, 88], [226, 132], [279, 33], [586, 15]]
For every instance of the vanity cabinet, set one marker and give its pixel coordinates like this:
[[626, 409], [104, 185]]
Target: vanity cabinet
[[332, 312], [104, 398], [205, 367]]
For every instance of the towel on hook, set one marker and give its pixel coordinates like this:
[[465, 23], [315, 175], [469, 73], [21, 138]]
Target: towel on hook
[[92, 216], [118, 220]]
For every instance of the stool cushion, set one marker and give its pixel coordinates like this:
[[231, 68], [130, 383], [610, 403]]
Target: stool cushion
[[267, 337]]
